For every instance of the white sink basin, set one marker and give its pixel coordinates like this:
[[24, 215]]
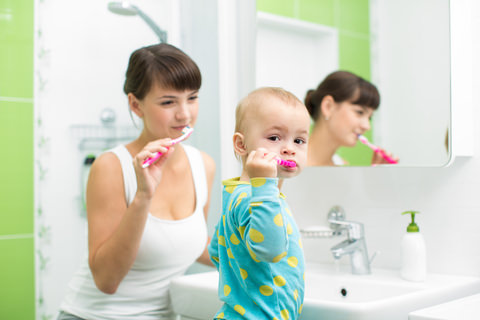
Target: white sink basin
[[195, 295], [336, 295]]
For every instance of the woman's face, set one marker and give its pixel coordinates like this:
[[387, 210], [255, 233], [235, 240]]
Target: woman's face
[[347, 121], [165, 112]]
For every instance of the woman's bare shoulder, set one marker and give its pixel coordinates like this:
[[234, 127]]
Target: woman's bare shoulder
[[107, 162], [106, 170]]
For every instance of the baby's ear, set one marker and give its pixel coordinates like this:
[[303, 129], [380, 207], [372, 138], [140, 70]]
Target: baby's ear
[[239, 144]]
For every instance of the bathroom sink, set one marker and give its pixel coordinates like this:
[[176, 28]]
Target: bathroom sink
[[378, 296], [337, 294], [195, 295]]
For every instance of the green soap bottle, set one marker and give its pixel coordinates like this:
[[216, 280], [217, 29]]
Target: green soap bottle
[[413, 252]]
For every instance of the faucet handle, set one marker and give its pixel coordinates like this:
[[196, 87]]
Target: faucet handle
[[354, 229], [336, 219], [336, 213], [335, 216], [373, 256]]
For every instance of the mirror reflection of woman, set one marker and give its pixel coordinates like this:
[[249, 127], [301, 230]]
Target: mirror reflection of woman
[[341, 107]]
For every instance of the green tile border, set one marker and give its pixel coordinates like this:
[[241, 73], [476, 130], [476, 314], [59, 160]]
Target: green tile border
[[16, 189], [17, 53], [17, 292], [17, 240]]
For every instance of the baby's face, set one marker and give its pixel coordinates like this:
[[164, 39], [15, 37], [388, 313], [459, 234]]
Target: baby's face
[[280, 128]]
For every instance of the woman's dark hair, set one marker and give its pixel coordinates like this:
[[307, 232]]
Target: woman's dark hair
[[342, 86], [163, 64]]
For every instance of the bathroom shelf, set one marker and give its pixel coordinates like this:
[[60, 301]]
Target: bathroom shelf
[[104, 136]]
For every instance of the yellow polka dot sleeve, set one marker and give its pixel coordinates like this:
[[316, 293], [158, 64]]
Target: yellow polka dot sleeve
[[213, 251], [266, 235]]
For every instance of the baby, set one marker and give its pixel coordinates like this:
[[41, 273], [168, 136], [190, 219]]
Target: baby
[[256, 246]]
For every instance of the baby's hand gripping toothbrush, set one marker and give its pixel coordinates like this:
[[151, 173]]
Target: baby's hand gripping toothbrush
[[186, 132], [285, 163], [376, 149]]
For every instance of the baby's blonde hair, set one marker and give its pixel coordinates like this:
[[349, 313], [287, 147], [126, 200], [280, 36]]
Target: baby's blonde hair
[[254, 100]]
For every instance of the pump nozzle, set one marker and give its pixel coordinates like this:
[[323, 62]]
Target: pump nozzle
[[412, 227]]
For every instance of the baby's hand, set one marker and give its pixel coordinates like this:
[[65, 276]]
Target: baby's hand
[[261, 163]]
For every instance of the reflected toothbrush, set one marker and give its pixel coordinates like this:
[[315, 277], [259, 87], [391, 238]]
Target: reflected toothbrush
[[376, 149], [186, 132]]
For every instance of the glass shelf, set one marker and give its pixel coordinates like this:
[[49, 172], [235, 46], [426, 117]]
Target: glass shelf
[[95, 137]]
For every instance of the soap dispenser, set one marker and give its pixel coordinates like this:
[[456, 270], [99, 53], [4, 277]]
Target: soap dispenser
[[413, 252]]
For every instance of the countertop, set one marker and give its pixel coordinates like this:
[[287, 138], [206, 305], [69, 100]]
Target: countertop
[[467, 308]]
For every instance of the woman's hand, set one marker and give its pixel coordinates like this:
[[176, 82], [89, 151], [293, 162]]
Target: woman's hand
[[149, 178], [261, 163], [377, 158]]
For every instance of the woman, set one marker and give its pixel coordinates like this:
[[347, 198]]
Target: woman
[[146, 226], [341, 108]]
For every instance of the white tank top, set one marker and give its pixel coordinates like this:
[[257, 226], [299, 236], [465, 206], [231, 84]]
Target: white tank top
[[167, 249]]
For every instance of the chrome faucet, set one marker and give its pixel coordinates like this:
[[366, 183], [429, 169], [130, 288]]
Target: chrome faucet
[[354, 245]]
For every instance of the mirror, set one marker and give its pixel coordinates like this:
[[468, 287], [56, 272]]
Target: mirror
[[401, 46]]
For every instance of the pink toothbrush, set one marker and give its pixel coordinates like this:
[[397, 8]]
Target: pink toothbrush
[[186, 132], [286, 163], [376, 149]]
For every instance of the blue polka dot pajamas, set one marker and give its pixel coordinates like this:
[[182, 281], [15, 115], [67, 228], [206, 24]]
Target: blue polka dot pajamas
[[258, 252]]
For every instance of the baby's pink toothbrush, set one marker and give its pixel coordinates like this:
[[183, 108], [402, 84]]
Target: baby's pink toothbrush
[[376, 149], [186, 132], [286, 163]]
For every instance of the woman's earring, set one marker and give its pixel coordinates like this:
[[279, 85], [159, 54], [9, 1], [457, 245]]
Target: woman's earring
[[326, 118]]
